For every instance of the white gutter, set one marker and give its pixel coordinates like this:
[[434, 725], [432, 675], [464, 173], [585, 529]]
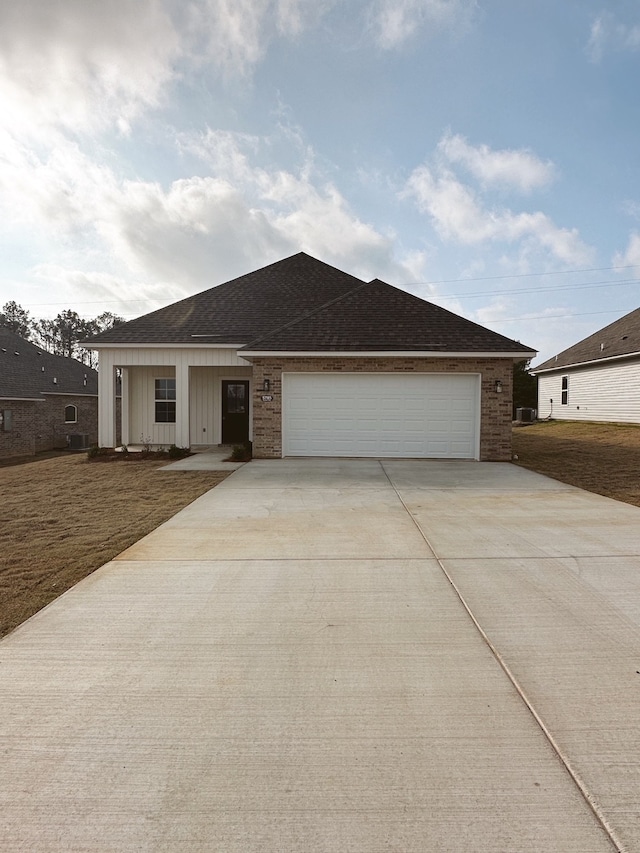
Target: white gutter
[[185, 345], [386, 354]]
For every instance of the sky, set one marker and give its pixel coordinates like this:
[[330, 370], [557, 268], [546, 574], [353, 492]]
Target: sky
[[482, 154]]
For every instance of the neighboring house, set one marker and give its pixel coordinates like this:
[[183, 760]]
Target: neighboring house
[[597, 379], [305, 360], [44, 399]]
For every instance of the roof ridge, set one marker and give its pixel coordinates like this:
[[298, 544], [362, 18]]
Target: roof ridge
[[305, 316]]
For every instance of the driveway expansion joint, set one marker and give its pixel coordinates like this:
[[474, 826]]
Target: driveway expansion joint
[[563, 758]]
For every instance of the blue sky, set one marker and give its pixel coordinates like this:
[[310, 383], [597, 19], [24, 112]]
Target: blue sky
[[483, 155]]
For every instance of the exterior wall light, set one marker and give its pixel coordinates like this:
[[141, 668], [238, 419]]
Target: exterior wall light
[[498, 387], [266, 385]]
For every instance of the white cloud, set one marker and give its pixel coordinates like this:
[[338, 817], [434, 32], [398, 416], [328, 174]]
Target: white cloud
[[394, 22], [105, 291], [517, 169], [461, 214], [199, 230], [608, 33], [83, 64], [631, 255], [86, 65]]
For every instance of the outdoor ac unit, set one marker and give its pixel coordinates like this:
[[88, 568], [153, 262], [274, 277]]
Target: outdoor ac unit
[[79, 441], [526, 416]]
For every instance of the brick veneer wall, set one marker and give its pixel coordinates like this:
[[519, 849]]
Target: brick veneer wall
[[38, 426], [495, 409], [20, 440], [52, 429]]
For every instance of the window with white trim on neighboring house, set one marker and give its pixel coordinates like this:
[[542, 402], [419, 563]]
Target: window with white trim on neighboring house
[[165, 400], [565, 390], [71, 414]]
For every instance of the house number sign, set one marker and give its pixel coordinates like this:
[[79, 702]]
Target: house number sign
[[267, 398]]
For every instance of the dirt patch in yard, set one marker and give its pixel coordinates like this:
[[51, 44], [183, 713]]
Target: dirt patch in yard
[[601, 458], [61, 518]]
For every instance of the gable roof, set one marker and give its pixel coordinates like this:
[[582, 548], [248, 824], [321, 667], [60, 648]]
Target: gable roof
[[619, 339], [377, 317], [301, 304], [239, 310], [22, 376]]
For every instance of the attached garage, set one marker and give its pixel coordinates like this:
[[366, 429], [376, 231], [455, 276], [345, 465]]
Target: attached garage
[[380, 414]]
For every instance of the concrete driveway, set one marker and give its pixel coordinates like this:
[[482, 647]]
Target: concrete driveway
[[339, 655]]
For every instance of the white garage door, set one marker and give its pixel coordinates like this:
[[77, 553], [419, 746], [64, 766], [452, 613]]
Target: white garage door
[[380, 414]]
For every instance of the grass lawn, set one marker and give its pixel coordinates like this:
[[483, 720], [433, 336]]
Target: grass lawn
[[601, 458], [63, 517]]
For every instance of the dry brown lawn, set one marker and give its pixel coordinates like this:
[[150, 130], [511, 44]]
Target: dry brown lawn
[[63, 517], [601, 458]]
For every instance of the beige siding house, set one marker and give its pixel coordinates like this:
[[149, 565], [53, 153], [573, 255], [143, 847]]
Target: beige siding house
[[302, 359], [597, 379]]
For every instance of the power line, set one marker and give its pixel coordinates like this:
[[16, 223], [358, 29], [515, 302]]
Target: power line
[[555, 288], [546, 289], [620, 312], [519, 275]]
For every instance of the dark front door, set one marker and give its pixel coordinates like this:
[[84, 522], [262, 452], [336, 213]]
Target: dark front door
[[235, 411]]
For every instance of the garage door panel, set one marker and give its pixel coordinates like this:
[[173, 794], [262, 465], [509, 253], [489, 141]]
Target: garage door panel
[[368, 414]]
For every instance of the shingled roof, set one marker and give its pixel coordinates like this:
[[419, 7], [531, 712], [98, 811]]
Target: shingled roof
[[377, 317], [618, 340], [301, 304], [22, 376], [240, 310]]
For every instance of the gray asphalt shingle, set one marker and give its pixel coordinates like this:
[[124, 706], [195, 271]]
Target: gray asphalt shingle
[[28, 372], [619, 338], [303, 304]]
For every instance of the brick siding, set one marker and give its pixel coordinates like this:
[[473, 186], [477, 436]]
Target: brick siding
[[39, 426], [495, 409]]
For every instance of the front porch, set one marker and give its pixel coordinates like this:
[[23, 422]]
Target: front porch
[[172, 397]]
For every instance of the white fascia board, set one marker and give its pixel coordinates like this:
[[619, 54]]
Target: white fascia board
[[517, 356], [23, 399], [565, 367], [185, 345]]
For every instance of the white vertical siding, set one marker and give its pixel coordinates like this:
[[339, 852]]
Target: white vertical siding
[[205, 396], [608, 392], [124, 412], [206, 401], [204, 404], [107, 404], [193, 356], [142, 406]]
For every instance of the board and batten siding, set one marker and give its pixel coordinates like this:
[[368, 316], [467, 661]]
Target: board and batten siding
[[143, 365], [141, 387], [205, 417], [608, 392]]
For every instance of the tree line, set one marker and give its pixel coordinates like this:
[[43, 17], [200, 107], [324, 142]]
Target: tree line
[[61, 335]]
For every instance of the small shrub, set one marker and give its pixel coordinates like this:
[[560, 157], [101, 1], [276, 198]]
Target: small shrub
[[176, 452], [241, 452], [94, 451]]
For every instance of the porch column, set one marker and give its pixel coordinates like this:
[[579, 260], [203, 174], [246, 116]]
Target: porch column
[[106, 401], [124, 406], [183, 438]]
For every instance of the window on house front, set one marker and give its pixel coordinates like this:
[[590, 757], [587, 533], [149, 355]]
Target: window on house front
[[165, 401], [565, 390], [71, 414]]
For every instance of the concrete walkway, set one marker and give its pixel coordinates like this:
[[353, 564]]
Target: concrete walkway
[[339, 655]]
